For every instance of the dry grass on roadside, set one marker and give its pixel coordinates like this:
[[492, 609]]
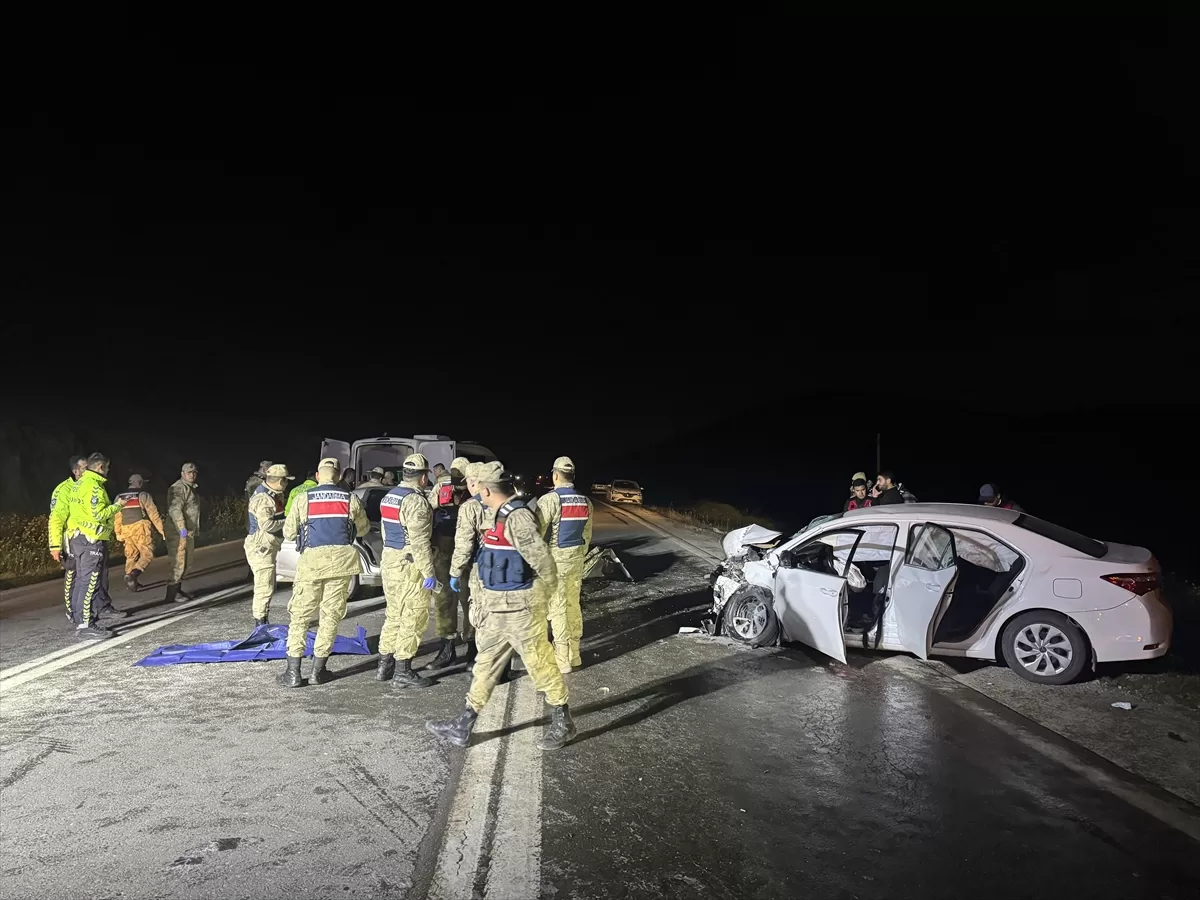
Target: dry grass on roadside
[[24, 557], [711, 515]]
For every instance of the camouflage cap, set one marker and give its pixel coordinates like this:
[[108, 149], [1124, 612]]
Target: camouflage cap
[[279, 470], [460, 463], [265, 463], [490, 473], [188, 467], [136, 480], [564, 464], [416, 462], [378, 470], [858, 475], [330, 462]]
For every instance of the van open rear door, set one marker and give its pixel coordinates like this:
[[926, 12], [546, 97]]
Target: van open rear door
[[338, 449], [437, 449]]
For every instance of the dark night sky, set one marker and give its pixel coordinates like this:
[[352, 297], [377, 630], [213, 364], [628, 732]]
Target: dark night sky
[[589, 238]]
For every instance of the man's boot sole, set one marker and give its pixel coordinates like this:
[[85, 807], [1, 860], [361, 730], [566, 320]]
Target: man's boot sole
[[405, 685]]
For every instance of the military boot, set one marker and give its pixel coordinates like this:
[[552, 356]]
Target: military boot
[[561, 730], [387, 667], [184, 596], [445, 657], [457, 730], [262, 621], [131, 581], [405, 677], [320, 675], [172, 594], [111, 612], [292, 677]]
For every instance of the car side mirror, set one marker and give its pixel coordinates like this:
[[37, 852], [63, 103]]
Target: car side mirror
[[787, 559]]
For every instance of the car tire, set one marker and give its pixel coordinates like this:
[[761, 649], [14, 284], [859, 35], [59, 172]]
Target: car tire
[[355, 588], [1045, 647], [749, 617]]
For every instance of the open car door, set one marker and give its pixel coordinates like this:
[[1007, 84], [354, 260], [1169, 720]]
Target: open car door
[[923, 586], [812, 604], [338, 449], [436, 451]]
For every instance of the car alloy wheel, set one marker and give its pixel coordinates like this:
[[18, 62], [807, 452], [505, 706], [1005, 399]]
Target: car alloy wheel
[[1043, 649]]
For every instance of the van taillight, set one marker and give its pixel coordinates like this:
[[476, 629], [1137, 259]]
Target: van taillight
[[1135, 582]]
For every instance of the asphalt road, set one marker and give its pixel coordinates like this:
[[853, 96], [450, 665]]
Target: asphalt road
[[701, 770]]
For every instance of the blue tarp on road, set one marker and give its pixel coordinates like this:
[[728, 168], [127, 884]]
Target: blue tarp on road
[[266, 642]]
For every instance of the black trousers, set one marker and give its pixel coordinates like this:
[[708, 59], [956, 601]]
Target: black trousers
[[89, 589]]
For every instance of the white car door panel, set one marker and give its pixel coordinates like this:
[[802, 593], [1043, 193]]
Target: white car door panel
[[812, 609], [338, 449], [922, 586]]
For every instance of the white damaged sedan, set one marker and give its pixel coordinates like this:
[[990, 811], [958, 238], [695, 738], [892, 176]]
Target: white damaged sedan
[[943, 579]]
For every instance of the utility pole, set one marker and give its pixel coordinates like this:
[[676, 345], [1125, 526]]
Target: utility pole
[[878, 464]]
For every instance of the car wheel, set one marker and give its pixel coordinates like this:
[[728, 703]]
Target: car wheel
[[1044, 647], [355, 585], [750, 617]]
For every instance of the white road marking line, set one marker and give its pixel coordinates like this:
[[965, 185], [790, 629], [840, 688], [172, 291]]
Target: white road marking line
[[1180, 818], [94, 650], [10, 676], [462, 840], [515, 867]]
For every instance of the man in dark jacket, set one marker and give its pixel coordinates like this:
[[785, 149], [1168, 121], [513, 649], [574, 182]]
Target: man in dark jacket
[[886, 490]]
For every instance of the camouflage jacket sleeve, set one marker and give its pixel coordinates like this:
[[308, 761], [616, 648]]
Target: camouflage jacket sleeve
[[466, 537], [175, 502], [362, 525], [262, 507], [418, 531], [150, 508], [60, 509], [297, 514], [521, 527], [587, 527], [549, 507]]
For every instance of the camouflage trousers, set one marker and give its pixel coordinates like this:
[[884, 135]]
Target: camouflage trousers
[[320, 600], [447, 605], [407, 613], [566, 616], [508, 621], [138, 539], [261, 559]]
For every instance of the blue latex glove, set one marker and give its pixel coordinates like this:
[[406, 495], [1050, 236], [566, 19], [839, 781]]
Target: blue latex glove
[[428, 583], [183, 532], [454, 585]]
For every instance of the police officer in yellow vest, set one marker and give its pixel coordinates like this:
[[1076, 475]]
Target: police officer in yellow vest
[[324, 522], [90, 528], [510, 614], [132, 526], [264, 526], [565, 516], [406, 526]]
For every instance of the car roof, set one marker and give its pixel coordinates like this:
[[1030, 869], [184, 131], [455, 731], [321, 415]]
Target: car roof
[[964, 512]]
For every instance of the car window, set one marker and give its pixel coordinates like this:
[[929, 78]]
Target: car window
[[371, 502], [1064, 536], [876, 545], [930, 547], [627, 485], [983, 550], [828, 553]]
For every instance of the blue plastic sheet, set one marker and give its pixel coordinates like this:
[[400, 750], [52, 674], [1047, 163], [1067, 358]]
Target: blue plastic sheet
[[265, 642]]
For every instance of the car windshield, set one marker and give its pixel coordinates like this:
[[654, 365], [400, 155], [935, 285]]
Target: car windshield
[[626, 485], [1065, 536], [371, 501]]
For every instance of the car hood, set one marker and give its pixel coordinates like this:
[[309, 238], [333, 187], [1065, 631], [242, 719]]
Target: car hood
[[748, 536]]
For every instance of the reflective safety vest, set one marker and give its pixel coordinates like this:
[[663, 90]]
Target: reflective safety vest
[[573, 518], [394, 535], [445, 514], [252, 520], [131, 507], [328, 523], [501, 567]]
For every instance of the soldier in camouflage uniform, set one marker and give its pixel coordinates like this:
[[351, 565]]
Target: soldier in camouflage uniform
[[510, 613], [565, 517], [183, 523], [474, 519], [133, 528], [264, 526], [446, 495], [406, 527]]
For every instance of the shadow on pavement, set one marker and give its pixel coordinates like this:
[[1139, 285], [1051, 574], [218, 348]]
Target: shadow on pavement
[[233, 580]]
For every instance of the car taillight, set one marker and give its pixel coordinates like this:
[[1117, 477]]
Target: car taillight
[[1135, 582]]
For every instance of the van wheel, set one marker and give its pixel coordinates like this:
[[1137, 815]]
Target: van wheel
[[750, 618], [1044, 647]]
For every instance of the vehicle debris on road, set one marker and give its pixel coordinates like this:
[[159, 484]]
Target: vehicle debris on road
[[602, 562]]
